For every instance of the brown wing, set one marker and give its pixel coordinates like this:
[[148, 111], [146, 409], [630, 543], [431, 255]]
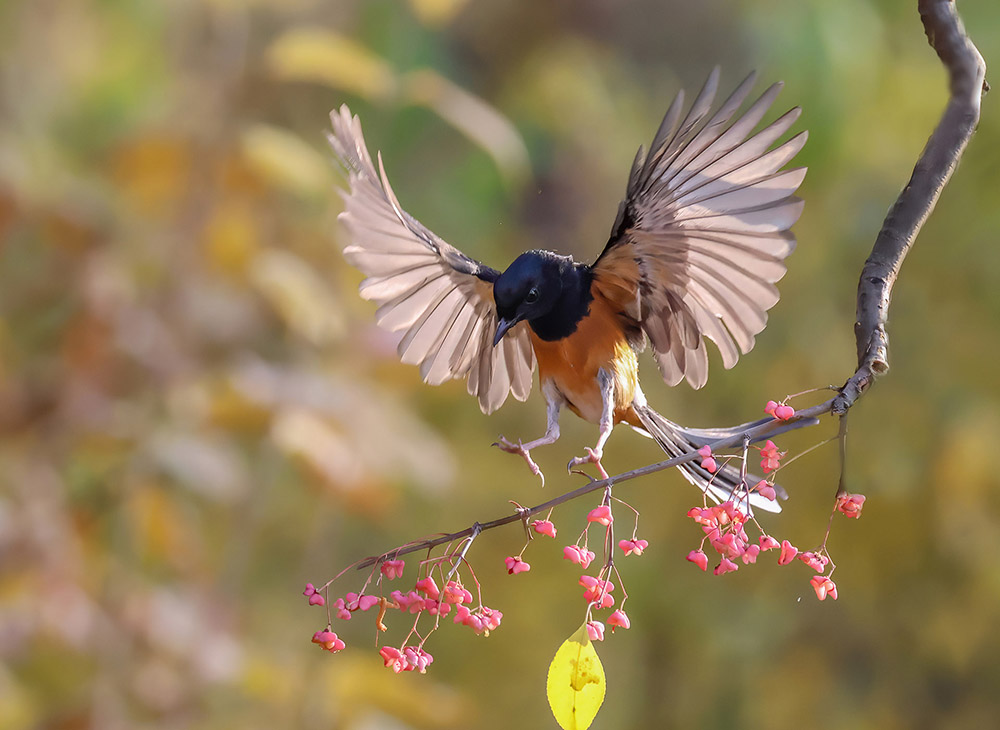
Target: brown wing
[[439, 297], [703, 232]]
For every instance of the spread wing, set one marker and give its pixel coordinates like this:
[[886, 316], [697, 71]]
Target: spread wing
[[703, 232], [440, 298]]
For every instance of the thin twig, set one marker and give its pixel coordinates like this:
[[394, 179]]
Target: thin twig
[[842, 438]]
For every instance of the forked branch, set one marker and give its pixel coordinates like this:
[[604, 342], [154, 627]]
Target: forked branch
[[967, 83]]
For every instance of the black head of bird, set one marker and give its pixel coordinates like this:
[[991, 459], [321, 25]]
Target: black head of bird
[[544, 289]]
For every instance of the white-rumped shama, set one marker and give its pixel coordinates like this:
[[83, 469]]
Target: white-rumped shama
[[694, 253]]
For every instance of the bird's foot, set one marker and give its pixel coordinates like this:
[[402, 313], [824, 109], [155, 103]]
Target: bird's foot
[[592, 457], [511, 448]]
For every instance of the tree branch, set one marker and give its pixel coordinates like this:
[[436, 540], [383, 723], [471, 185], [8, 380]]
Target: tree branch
[[966, 74], [758, 432]]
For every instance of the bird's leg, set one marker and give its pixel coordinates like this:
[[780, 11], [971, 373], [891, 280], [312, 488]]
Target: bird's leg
[[607, 423], [553, 404]]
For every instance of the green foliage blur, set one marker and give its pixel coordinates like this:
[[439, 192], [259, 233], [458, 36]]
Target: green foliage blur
[[197, 414]]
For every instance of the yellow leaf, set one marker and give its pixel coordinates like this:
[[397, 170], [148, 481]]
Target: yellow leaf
[[576, 682]]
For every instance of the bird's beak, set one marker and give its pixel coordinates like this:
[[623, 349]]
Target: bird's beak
[[502, 327]]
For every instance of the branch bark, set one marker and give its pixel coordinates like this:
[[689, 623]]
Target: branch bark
[[966, 80]]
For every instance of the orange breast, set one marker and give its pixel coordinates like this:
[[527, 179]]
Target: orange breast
[[572, 363]]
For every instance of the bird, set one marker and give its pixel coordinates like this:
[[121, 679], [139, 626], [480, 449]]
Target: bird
[[694, 253]]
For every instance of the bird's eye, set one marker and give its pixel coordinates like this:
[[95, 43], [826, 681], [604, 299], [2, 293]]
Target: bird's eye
[[532, 296]]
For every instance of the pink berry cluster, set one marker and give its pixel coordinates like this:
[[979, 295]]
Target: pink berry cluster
[[407, 659], [599, 590], [724, 528], [424, 599], [723, 525]]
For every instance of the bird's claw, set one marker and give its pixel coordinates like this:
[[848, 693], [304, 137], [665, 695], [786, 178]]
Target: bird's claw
[[592, 457], [511, 448]]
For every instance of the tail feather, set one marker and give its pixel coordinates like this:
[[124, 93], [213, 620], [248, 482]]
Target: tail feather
[[724, 484]]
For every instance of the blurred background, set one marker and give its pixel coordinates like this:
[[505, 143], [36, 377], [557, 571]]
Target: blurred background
[[197, 415]]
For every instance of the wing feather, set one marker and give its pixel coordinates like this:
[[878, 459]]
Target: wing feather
[[704, 229], [440, 299], [440, 367]]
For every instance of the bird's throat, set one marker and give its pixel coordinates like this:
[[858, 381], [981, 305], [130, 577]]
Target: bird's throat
[[571, 307]]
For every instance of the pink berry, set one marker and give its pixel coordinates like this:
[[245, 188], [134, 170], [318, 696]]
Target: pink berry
[[595, 631], [727, 545], [544, 527], [768, 543], [824, 587], [698, 558], [491, 618], [393, 568], [328, 640], [601, 515], [851, 504], [633, 546], [462, 614], [788, 553], [515, 565], [578, 555], [618, 619], [784, 412], [415, 602], [814, 560], [596, 590], [416, 659], [726, 566], [435, 608], [454, 592], [428, 587], [765, 490], [394, 659]]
